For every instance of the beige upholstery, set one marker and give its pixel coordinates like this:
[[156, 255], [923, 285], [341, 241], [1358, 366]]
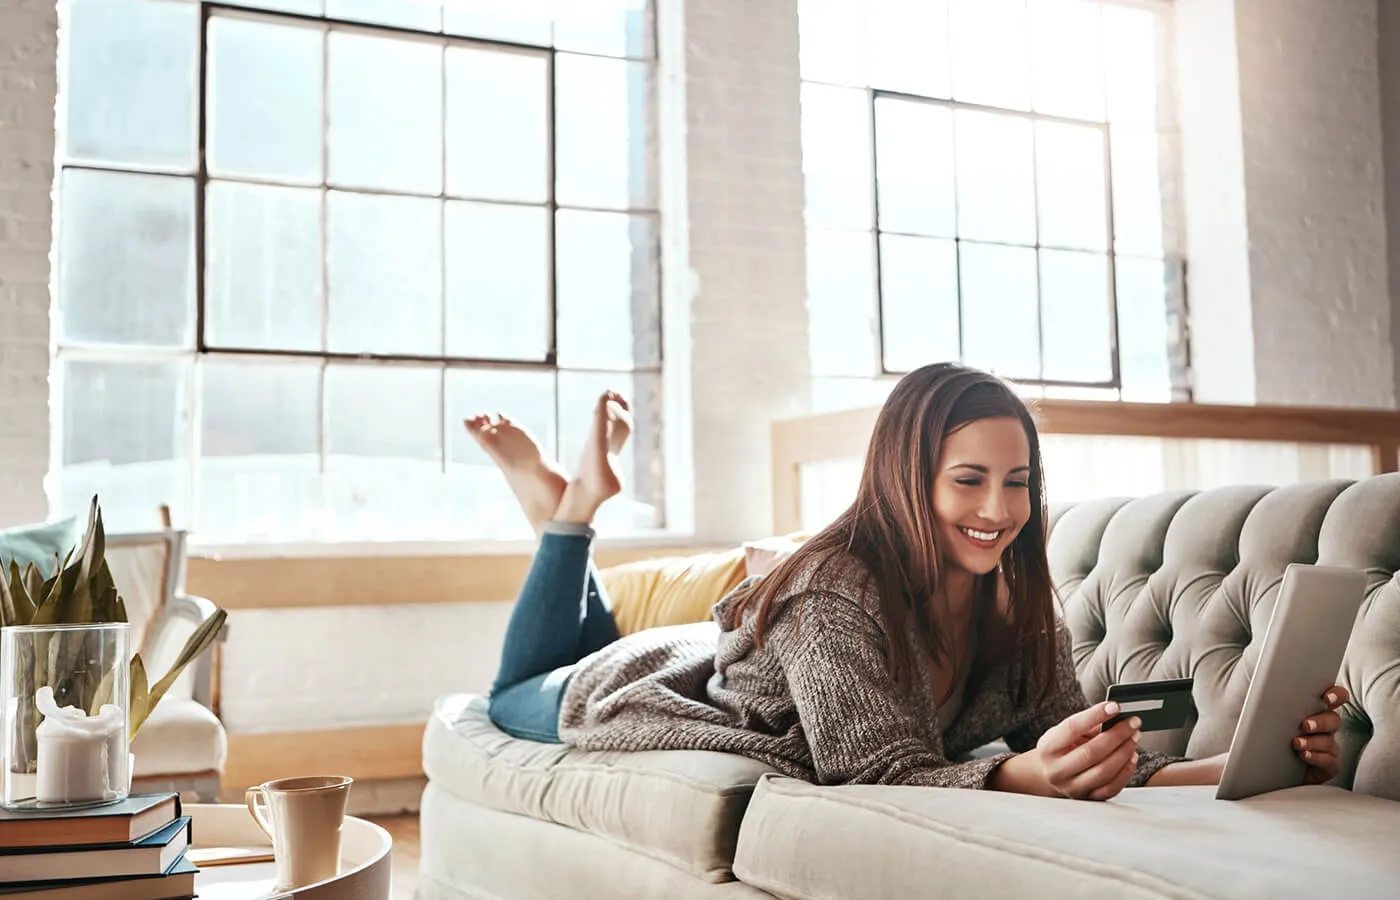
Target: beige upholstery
[[1183, 584], [799, 840], [680, 808], [1165, 586], [180, 736], [489, 854]]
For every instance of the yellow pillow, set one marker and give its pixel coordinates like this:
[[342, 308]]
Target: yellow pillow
[[672, 591]]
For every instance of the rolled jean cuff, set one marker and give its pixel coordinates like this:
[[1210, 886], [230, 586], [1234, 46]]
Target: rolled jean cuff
[[578, 529]]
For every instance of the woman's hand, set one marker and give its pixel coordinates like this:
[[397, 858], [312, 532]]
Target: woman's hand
[[1081, 761], [1316, 743]]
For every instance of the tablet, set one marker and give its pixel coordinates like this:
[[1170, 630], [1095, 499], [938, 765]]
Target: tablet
[[1300, 659]]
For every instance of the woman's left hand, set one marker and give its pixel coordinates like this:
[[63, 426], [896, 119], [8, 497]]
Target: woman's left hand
[[1316, 743]]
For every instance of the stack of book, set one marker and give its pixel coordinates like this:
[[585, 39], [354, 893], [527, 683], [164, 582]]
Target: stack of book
[[132, 850]]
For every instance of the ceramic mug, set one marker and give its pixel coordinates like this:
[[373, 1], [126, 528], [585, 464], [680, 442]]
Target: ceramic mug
[[303, 817]]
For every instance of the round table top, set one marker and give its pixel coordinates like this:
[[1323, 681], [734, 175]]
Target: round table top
[[364, 869]]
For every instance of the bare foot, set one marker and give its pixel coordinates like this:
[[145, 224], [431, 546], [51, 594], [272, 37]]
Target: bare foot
[[537, 482], [598, 478]]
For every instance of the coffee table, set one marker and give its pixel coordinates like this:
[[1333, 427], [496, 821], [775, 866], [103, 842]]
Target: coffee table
[[364, 867]]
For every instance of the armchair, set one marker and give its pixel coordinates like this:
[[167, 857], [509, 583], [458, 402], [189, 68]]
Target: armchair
[[182, 746]]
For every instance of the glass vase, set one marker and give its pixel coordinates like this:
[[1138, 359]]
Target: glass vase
[[65, 695]]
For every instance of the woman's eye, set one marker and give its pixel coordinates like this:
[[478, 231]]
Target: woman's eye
[[970, 482], [1018, 484]]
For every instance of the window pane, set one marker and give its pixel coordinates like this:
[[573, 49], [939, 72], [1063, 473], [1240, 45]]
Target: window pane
[[383, 442], [1143, 337], [996, 182], [497, 281], [378, 415], [609, 290], [1137, 193], [126, 259], [497, 125], [1067, 58], [419, 14], [1070, 178], [385, 264], [522, 21], [909, 46], [836, 159], [605, 138], [131, 69], [1074, 313], [481, 504], [841, 303], [830, 41], [640, 505], [385, 113], [1000, 328], [1132, 64], [914, 164], [126, 439], [919, 301], [988, 38], [259, 466], [263, 257], [305, 7], [604, 27], [264, 115]]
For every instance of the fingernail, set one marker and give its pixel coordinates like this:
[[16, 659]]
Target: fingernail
[[1311, 723], [1331, 698], [1307, 754], [1135, 722], [1111, 709], [1298, 742], [1137, 736]]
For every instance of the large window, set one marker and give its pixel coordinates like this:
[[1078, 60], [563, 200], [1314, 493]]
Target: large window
[[301, 240], [987, 180]]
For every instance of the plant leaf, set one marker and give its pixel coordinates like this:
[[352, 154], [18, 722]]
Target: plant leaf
[[203, 637], [140, 697], [25, 608], [104, 693]]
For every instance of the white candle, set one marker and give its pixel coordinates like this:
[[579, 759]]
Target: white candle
[[75, 751]]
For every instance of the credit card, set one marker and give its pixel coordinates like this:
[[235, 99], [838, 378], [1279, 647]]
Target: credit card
[[1161, 705]]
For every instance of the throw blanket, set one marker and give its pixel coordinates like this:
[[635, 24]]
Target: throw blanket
[[816, 703]]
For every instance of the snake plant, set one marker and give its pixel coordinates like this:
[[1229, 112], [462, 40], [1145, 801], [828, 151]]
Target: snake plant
[[82, 592]]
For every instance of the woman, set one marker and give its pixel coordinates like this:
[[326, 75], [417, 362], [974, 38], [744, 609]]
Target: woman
[[918, 626]]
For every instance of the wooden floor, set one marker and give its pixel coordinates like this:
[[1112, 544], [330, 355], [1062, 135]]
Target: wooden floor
[[404, 830]]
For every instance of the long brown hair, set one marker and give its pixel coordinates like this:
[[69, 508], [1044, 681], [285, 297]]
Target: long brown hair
[[890, 529]]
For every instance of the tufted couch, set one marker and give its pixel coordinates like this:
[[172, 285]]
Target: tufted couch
[[1163, 586]]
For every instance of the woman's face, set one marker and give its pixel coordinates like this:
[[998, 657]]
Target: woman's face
[[981, 494]]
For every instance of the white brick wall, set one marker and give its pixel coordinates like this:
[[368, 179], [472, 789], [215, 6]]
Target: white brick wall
[[1284, 174], [747, 321], [1314, 178], [28, 86]]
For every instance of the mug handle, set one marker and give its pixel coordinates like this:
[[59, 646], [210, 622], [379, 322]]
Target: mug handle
[[256, 800]]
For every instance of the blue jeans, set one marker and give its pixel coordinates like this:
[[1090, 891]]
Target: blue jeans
[[561, 616]]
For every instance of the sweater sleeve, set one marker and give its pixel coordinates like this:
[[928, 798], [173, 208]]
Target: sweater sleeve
[[858, 729], [1066, 699]]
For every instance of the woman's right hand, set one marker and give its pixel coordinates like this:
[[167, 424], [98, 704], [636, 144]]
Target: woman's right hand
[[1080, 761]]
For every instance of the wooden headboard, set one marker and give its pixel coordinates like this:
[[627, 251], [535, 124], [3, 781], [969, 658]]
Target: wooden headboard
[[844, 436]]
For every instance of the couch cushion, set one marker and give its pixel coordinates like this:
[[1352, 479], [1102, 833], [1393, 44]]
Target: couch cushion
[[680, 807], [673, 590], [180, 737], [472, 851], [799, 840]]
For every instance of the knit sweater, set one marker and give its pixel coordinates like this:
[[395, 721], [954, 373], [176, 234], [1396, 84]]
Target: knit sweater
[[816, 702]]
